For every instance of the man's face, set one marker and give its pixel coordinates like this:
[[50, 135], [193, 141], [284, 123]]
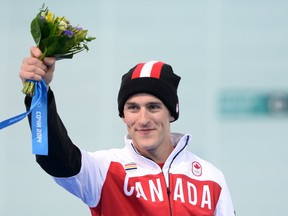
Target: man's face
[[148, 124]]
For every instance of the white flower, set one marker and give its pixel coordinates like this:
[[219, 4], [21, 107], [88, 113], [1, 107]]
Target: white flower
[[62, 25]]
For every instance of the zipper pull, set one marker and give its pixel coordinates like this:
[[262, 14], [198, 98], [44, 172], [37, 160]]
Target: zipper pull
[[168, 191]]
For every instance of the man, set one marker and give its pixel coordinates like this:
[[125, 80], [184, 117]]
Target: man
[[153, 174]]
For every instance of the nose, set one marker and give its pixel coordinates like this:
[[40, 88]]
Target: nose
[[143, 118]]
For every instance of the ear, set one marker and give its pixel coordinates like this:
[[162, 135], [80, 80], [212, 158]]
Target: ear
[[171, 118], [123, 119]]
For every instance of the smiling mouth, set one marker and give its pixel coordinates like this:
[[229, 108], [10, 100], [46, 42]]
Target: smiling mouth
[[144, 131]]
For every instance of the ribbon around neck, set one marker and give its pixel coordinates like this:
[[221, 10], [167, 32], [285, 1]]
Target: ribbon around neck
[[38, 110]]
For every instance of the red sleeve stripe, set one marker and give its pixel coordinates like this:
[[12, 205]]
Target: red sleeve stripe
[[149, 69]]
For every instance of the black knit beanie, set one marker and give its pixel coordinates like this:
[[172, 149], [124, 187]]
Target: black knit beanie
[[154, 77]]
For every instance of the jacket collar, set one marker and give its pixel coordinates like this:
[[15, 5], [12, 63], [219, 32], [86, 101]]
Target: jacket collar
[[179, 141]]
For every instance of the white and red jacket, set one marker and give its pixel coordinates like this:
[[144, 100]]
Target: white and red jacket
[[121, 182]]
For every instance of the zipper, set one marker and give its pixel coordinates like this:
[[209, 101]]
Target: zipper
[[168, 186], [169, 202]]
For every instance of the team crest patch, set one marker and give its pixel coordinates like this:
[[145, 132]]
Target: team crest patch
[[130, 166], [196, 168]]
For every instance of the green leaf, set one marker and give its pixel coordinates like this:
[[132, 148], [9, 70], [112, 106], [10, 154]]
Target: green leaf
[[81, 35], [36, 31], [52, 27], [45, 29], [52, 48], [50, 45]]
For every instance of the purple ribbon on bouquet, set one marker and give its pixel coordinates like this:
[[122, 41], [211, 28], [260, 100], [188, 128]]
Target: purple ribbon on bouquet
[[38, 110]]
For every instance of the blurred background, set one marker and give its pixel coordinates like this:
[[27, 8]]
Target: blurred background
[[233, 60]]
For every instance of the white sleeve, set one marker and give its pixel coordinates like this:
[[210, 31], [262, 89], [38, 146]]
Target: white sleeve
[[87, 184], [224, 206]]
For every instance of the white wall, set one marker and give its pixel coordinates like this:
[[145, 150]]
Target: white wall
[[212, 44]]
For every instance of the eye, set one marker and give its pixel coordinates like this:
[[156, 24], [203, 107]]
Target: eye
[[153, 107], [132, 107]]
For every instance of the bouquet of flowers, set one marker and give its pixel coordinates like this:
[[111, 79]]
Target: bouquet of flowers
[[56, 37]]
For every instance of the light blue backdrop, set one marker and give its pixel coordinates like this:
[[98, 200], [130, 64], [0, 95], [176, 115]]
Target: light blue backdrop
[[212, 44]]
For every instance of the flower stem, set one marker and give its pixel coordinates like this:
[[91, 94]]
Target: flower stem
[[28, 88]]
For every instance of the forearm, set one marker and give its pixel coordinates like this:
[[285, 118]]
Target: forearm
[[64, 158]]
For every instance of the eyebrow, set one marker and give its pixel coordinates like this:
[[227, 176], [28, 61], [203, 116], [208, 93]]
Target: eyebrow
[[130, 103], [155, 103], [149, 103]]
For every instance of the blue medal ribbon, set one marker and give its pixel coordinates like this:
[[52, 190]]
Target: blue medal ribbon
[[38, 110]]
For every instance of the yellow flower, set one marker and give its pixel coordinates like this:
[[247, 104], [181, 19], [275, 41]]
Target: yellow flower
[[63, 19], [49, 17], [60, 18]]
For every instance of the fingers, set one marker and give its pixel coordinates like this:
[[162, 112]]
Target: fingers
[[49, 61], [35, 52], [32, 69]]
